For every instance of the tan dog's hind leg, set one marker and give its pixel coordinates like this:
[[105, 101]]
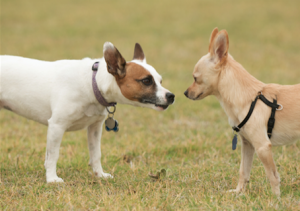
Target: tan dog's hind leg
[[264, 153]]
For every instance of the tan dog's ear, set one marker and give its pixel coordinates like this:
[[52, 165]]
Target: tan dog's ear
[[212, 37], [138, 53], [114, 60], [220, 46]]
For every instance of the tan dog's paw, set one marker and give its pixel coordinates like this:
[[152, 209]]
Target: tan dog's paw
[[276, 191], [234, 191]]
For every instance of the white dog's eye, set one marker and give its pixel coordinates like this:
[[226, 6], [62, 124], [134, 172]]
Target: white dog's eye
[[147, 81]]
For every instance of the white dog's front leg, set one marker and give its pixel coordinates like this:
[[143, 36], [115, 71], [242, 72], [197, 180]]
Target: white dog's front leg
[[94, 141], [54, 137]]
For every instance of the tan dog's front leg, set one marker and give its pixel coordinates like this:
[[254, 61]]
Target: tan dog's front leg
[[265, 155], [246, 164]]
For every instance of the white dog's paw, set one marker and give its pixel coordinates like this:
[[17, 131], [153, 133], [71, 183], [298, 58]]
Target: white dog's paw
[[55, 179], [104, 175], [232, 191]]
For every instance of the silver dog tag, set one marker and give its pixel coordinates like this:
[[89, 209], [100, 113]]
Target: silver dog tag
[[110, 123]]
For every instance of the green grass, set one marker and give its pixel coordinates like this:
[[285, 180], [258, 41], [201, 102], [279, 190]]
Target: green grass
[[191, 140]]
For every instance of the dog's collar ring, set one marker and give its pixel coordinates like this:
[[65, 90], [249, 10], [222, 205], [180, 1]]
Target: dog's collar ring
[[280, 107], [113, 111]]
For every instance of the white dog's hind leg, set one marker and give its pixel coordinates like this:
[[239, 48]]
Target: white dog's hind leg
[[94, 141], [54, 137]]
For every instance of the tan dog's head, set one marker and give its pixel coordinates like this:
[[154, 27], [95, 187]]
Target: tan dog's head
[[138, 81], [207, 70]]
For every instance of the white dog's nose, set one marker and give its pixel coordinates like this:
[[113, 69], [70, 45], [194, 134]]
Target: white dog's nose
[[170, 97]]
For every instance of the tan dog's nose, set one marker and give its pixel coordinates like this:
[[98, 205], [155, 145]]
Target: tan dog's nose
[[186, 93]]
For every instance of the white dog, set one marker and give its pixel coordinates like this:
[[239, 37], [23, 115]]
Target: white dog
[[60, 95]]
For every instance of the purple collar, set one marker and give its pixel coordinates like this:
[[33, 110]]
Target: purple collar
[[96, 90]]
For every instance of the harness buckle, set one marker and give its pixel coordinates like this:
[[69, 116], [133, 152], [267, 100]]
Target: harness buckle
[[236, 129]]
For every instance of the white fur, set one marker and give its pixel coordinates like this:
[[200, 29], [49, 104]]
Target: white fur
[[59, 94]]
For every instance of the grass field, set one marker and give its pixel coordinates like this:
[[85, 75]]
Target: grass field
[[191, 140]]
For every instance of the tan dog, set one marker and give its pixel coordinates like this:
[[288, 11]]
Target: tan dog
[[217, 73]]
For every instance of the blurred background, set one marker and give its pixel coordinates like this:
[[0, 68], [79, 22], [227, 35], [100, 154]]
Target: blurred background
[[188, 137]]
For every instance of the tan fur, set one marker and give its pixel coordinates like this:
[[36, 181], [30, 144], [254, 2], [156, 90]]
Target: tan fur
[[217, 73], [212, 37]]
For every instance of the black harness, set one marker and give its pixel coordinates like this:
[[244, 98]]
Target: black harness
[[271, 121]]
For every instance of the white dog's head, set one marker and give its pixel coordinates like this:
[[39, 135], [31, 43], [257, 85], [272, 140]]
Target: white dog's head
[[138, 81]]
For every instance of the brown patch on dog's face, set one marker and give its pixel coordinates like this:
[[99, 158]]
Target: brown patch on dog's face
[[138, 84]]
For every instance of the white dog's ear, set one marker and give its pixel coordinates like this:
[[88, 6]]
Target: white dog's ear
[[114, 60], [219, 46], [138, 53]]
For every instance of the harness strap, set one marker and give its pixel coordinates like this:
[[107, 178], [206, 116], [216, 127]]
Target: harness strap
[[268, 103], [271, 121], [237, 129]]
